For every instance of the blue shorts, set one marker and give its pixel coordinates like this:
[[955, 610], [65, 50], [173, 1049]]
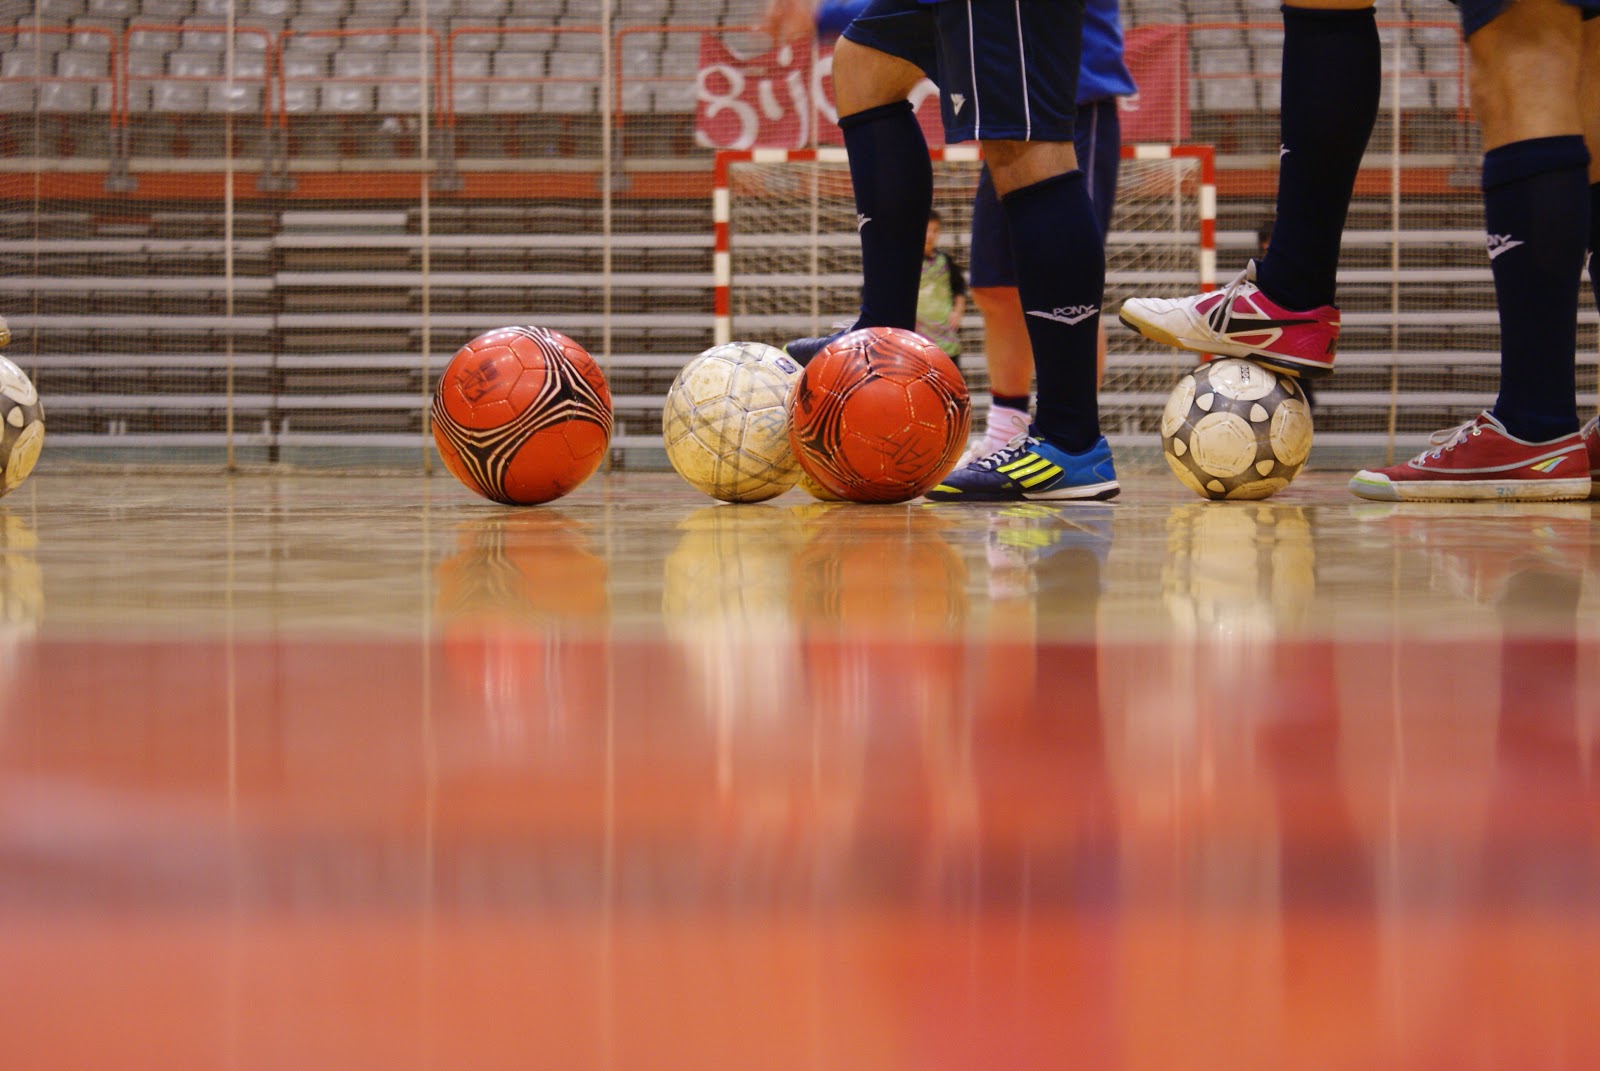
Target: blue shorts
[[1006, 69], [1099, 145], [1476, 14]]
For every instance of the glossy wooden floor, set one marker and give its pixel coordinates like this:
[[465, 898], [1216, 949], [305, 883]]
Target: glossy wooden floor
[[369, 774]]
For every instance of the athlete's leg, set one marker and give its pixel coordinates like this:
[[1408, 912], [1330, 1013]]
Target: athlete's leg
[[1524, 71], [1280, 310], [1332, 69], [881, 58], [1589, 105], [1055, 239]]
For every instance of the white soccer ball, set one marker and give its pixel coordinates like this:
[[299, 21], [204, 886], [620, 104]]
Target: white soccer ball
[[726, 422], [21, 426], [1233, 429]]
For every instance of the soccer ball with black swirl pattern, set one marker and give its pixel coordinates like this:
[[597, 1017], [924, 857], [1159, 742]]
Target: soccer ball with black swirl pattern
[[522, 415], [1233, 429], [880, 415]]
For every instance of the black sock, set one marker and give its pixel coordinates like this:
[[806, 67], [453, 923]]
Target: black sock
[[1018, 402], [1332, 71], [893, 182], [1594, 241], [1536, 210], [1061, 276]]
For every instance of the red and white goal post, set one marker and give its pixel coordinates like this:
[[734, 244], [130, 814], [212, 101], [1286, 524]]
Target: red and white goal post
[[787, 261]]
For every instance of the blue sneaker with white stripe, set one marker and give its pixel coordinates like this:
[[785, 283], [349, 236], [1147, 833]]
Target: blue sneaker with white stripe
[[1034, 469]]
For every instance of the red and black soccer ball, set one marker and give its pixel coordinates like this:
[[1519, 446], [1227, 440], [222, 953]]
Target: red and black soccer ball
[[522, 415], [880, 415]]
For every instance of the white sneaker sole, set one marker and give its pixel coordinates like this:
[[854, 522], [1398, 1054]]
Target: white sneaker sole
[[1093, 492], [1371, 485]]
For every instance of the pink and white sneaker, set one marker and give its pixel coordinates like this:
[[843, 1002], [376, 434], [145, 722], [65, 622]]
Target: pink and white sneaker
[[1591, 440], [1481, 461], [1240, 321]]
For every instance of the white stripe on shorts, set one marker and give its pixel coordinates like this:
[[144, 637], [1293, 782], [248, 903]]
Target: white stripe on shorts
[[972, 69], [1022, 68]]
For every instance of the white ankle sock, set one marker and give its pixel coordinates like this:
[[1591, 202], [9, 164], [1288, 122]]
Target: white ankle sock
[[1003, 425]]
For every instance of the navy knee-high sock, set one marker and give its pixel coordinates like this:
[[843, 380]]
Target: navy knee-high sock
[[1061, 276], [1536, 210], [1332, 72], [893, 180], [1594, 241]]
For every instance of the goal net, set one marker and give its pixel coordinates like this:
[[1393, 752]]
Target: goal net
[[788, 259]]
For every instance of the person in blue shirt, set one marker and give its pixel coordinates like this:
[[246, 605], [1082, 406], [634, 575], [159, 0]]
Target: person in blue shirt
[[1008, 76]]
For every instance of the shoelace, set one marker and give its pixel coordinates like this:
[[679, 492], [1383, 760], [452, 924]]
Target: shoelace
[[1005, 455], [1222, 310], [1449, 438]]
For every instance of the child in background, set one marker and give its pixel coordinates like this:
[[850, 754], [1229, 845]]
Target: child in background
[[943, 295]]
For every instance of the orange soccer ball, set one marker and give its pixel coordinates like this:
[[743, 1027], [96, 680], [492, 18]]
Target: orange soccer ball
[[880, 415], [522, 415]]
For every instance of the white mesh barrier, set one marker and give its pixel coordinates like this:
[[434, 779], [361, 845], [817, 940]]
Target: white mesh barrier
[[254, 231]]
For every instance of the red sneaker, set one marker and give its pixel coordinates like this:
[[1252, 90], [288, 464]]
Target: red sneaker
[[1240, 321], [1481, 461]]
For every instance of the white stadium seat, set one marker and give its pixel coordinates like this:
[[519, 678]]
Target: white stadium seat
[[514, 97], [236, 98], [470, 64], [194, 64], [574, 65], [299, 99], [16, 97], [469, 97], [400, 98], [74, 64], [22, 64], [637, 97], [60, 10], [568, 98], [347, 99], [675, 97], [152, 41], [67, 97], [519, 65], [409, 63], [177, 97], [298, 65], [357, 65], [531, 39], [146, 64]]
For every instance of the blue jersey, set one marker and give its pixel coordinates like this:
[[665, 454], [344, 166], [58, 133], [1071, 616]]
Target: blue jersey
[[1101, 73]]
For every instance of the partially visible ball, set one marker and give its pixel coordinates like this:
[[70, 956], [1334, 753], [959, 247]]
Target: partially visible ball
[[21, 426]]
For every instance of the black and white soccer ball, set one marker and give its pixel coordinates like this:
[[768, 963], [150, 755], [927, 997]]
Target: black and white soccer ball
[[1233, 429], [21, 426], [726, 422]]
